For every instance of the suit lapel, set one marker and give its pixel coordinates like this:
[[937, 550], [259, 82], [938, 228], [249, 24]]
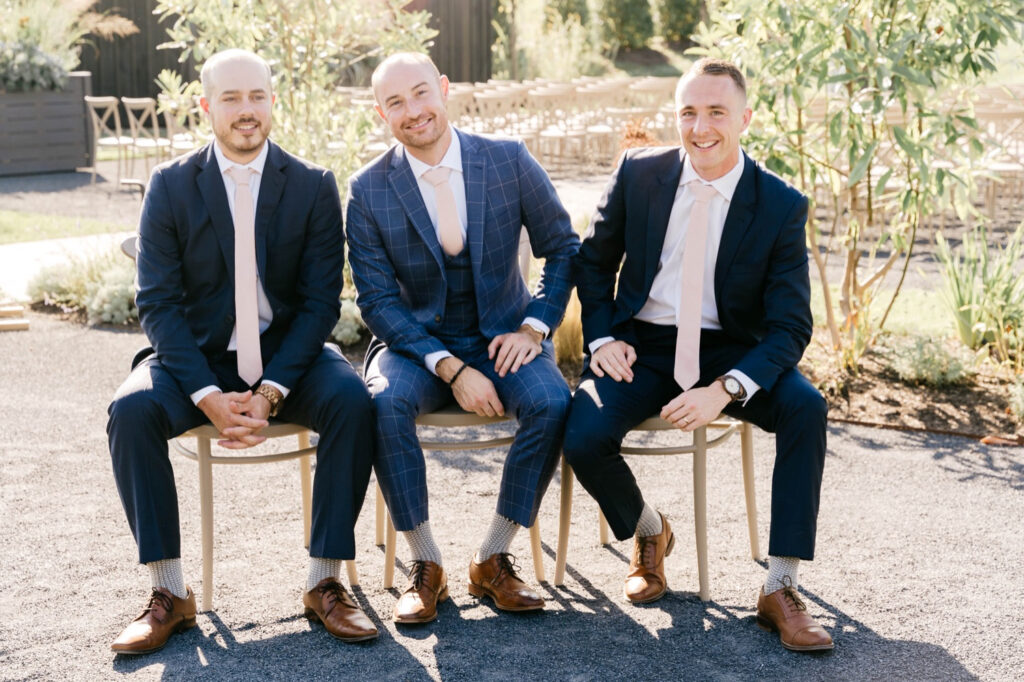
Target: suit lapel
[[403, 183], [211, 187], [271, 188], [474, 173], [737, 221], [663, 196]]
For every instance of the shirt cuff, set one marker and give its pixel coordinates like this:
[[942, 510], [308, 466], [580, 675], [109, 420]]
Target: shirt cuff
[[202, 393], [284, 391], [433, 358], [597, 343], [748, 384], [538, 326]]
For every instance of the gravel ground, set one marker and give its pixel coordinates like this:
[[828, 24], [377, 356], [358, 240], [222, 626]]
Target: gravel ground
[[917, 574]]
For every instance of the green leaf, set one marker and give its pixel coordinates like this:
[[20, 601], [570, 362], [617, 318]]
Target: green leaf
[[861, 167]]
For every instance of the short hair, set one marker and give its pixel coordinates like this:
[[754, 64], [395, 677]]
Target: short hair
[[225, 56], [401, 58], [714, 67]]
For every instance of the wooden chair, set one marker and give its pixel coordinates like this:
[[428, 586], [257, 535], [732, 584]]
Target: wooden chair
[[204, 457], [698, 447], [453, 416], [106, 131], [144, 129]]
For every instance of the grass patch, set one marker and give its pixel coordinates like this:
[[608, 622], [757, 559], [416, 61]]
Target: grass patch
[[657, 59], [16, 227], [917, 312]]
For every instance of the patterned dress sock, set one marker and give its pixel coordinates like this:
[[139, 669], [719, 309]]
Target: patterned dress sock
[[499, 537], [782, 572], [320, 569], [649, 523], [422, 545], [167, 574]]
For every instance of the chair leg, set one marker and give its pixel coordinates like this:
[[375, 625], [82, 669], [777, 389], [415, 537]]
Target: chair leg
[[747, 446], [564, 519], [538, 552], [700, 507], [602, 528], [206, 517], [307, 488], [353, 575], [381, 513], [389, 555]]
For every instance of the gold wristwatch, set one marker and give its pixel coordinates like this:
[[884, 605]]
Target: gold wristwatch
[[273, 396], [732, 386]]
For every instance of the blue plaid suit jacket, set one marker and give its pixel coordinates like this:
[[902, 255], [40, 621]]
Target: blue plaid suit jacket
[[397, 262]]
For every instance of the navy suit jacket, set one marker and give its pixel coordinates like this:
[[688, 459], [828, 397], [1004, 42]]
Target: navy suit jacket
[[762, 287], [186, 265], [397, 261]]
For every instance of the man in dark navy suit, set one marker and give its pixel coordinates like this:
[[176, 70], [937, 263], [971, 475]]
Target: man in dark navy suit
[[696, 300], [240, 255]]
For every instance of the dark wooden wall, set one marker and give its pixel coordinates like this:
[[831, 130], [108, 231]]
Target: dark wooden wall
[[462, 49], [128, 66]]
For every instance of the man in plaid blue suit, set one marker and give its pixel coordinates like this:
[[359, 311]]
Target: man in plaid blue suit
[[457, 321]]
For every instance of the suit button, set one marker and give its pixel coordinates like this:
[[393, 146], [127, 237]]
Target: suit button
[[658, 269], [437, 318], [230, 319]]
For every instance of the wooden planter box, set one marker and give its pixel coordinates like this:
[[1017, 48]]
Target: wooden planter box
[[42, 132]]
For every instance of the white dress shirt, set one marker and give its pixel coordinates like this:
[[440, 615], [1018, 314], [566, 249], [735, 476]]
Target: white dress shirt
[[266, 313], [453, 161], [663, 300]]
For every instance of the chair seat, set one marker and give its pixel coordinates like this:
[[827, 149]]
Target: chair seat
[[453, 415]]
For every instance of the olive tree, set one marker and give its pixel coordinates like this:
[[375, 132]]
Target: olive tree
[[866, 106], [315, 47]]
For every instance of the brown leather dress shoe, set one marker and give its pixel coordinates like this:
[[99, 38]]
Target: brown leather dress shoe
[[428, 586], [330, 604], [163, 616], [497, 579], [784, 612], [646, 580]]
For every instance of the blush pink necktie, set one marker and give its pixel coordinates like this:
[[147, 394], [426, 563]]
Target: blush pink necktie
[[449, 229], [247, 320], [687, 367]]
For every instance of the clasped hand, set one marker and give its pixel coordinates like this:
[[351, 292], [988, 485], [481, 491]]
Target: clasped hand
[[239, 417]]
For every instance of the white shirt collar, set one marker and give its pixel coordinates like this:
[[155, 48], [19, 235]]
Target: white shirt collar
[[224, 163], [452, 158], [726, 185]]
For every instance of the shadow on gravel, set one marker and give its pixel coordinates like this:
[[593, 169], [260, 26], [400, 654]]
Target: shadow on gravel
[[967, 459]]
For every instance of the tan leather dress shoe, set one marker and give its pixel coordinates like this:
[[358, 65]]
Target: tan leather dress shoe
[[428, 586], [784, 612], [330, 604], [646, 580], [497, 579], [163, 616]]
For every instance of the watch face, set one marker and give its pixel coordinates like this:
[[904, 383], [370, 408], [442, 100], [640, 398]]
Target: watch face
[[732, 386]]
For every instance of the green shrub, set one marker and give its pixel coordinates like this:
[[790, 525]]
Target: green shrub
[[984, 289], [627, 24], [677, 19], [923, 360], [548, 43], [111, 300], [349, 328], [100, 285], [1017, 399], [24, 67], [568, 8]]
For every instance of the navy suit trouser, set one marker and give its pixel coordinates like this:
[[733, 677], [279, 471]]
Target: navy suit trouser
[[536, 395], [603, 411], [150, 408]]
